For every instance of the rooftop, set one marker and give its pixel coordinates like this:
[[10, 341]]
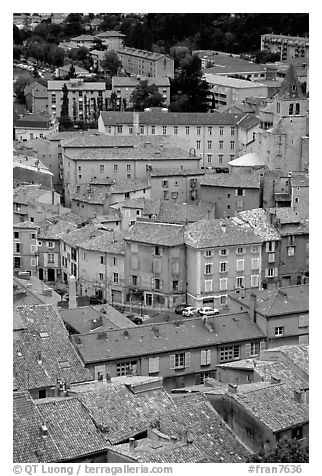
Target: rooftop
[[171, 118], [119, 412], [217, 80], [38, 119], [108, 34], [220, 232], [260, 221], [141, 53], [30, 163], [248, 121], [280, 301], [299, 180], [29, 193], [291, 88], [76, 84], [296, 354], [226, 64], [231, 180], [184, 212], [149, 339], [179, 171], [42, 350], [248, 160], [126, 153], [298, 39], [86, 319], [156, 234], [273, 405], [106, 242]]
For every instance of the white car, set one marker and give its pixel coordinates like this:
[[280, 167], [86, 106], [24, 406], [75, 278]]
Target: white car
[[208, 311], [189, 311]]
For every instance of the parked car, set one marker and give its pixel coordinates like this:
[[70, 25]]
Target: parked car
[[93, 300], [135, 318], [225, 170], [218, 170], [208, 311], [179, 308], [189, 311]]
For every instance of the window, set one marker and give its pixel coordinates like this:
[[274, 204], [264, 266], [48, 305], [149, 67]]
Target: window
[[198, 130], [279, 331], [16, 235], [33, 262], [115, 167], [165, 183], [210, 130], [254, 249], [208, 268], [271, 257], [291, 251], [115, 260], [50, 244], [223, 299], [130, 129], [16, 248], [153, 130], [164, 130], [101, 168], [208, 285], [223, 252], [115, 277], [16, 262], [270, 246], [128, 168], [290, 109], [134, 279], [119, 129], [231, 157], [187, 130], [240, 251], [142, 130], [221, 144], [134, 248], [223, 267], [223, 284], [157, 251], [254, 281], [102, 259], [240, 265], [209, 144], [51, 257], [297, 108], [126, 368], [33, 236], [269, 273], [208, 253], [255, 263], [202, 377], [232, 145], [221, 131], [239, 282], [220, 158], [304, 320], [209, 158], [179, 361], [165, 195], [101, 276], [198, 144], [254, 349], [153, 365], [232, 131], [174, 195], [229, 353], [175, 285], [205, 357]]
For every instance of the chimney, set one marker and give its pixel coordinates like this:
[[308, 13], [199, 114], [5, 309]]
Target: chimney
[[223, 227], [208, 325], [275, 379], [39, 359], [44, 430], [232, 388], [53, 197], [298, 396], [132, 443], [136, 121], [252, 307], [72, 293]]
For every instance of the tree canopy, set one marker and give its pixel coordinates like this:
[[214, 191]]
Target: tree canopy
[[145, 95], [111, 63], [189, 93], [286, 451]]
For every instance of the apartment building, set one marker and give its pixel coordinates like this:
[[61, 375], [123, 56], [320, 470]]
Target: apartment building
[[262, 224], [25, 247], [84, 98], [281, 313], [182, 353], [231, 192], [155, 263], [101, 266], [223, 256], [291, 48], [176, 185], [146, 63], [124, 87], [113, 40], [35, 125], [84, 41], [227, 91], [234, 67], [212, 136], [118, 158]]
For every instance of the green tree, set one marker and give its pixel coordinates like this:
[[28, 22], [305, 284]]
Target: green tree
[[114, 101], [262, 56], [72, 72], [111, 63], [73, 25], [189, 92], [19, 87], [65, 121], [286, 451], [145, 95], [16, 35], [17, 52]]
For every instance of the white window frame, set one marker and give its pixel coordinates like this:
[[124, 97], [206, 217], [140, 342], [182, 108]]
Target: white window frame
[[223, 284], [205, 357], [238, 279], [254, 280], [226, 267], [255, 263], [208, 285], [279, 331], [240, 265]]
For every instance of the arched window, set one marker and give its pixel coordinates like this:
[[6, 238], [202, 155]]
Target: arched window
[[297, 108], [290, 109]]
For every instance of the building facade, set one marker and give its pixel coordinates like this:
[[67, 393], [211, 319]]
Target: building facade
[[146, 63], [291, 48], [25, 248]]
